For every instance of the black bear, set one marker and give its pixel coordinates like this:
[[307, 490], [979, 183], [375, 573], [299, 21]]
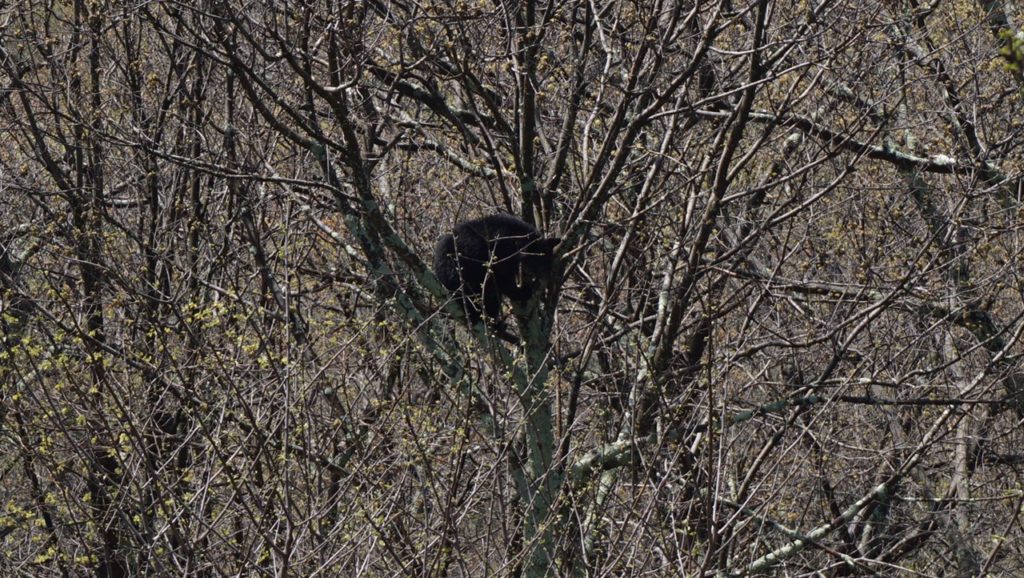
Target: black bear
[[493, 256]]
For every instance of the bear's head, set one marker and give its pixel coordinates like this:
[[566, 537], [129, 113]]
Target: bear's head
[[538, 256]]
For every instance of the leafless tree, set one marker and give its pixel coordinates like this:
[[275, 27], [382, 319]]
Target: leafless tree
[[782, 334]]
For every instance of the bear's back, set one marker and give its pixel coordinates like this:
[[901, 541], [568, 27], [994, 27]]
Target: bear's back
[[504, 234]]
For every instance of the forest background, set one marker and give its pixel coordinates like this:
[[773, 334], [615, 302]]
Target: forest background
[[782, 335]]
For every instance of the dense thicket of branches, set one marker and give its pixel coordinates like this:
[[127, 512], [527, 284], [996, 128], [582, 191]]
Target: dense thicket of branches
[[783, 334]]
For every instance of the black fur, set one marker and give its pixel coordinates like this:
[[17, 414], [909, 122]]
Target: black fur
[[488, 257]]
